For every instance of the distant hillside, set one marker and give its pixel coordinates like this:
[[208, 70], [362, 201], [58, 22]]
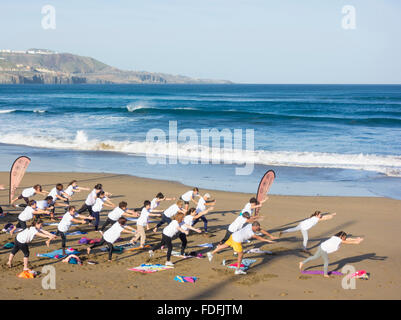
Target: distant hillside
[[48, 67]]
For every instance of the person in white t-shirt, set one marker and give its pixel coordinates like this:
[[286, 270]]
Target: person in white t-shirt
[[28, 193], [142, 222], [111, 235], [201, 207], [307, 224], [91, 199], [73, 188], [24, 238], [189, 196], [57, 193], [157, 200], [238, 224], [237, 238], [329, 246], [252, 205], [27, 214], [169, 213], [64, 225], [46, 204], [117, 213], [168, 233], [193, 214], [100, 201], [187, 224]]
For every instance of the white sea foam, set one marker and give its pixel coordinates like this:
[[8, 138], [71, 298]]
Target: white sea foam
[[8, 111], [389, 165], [39, 111], [134, 107]]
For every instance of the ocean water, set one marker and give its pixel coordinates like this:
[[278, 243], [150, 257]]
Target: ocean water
[[319, 139]]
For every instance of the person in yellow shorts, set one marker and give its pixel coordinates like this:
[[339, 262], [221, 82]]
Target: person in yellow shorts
[[237, 238]]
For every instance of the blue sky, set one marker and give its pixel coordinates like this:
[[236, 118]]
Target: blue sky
[[249, 41]]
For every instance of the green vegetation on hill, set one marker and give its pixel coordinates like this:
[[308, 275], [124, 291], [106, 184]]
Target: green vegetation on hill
[[65, 68]]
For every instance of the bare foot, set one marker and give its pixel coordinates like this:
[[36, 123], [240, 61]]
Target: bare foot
[[280, 234], [300, 266], [9, 265], [48, 243], [88, 250], [155, 230], [326, 276]]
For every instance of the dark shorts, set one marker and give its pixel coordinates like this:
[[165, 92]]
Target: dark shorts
[[25, 198], [21, 224], [185, 202], [20, 246]]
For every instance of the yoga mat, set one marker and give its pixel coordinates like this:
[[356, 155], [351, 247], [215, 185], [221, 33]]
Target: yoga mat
[[246, 263], [57, 254], [321, 272], [185, 279], [151, 268]]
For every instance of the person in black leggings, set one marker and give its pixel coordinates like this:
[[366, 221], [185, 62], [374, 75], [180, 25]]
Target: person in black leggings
[[111, 236], [24, 238], [65, 223], [168, 233]]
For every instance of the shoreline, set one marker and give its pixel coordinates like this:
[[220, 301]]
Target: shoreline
[[270, 277], [72, 173]]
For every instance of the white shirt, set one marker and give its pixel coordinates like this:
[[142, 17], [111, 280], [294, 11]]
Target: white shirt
[[29, 192], [113, 233], [27, 214], [171, 211], [27, 235], [154, 204], [309, 223], [201, 205], [187, 196], [98, 206], [171, 229], [91, 198], [54, 192], [42, 204], [237, 224], [243, 234], [188, 220], [65, 222], [70, 190], [247, 208], [116, 213], [143, 218], [331, 245]]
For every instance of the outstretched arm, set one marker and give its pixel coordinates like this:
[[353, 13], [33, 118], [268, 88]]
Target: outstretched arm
[[263, 239], [154, 214], [131, 214], [79, 189], [109, 204], [45, 234], [200, 214], [183, 231], [129, 231], [353, 240], [40, 211], [268, 234], [194, 229], [328, 216], [80, 220]]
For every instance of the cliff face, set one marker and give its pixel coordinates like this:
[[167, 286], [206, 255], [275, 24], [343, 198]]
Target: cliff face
[[66, 68]]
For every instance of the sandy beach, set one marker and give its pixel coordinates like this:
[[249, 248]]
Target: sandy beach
[[274, 276]]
